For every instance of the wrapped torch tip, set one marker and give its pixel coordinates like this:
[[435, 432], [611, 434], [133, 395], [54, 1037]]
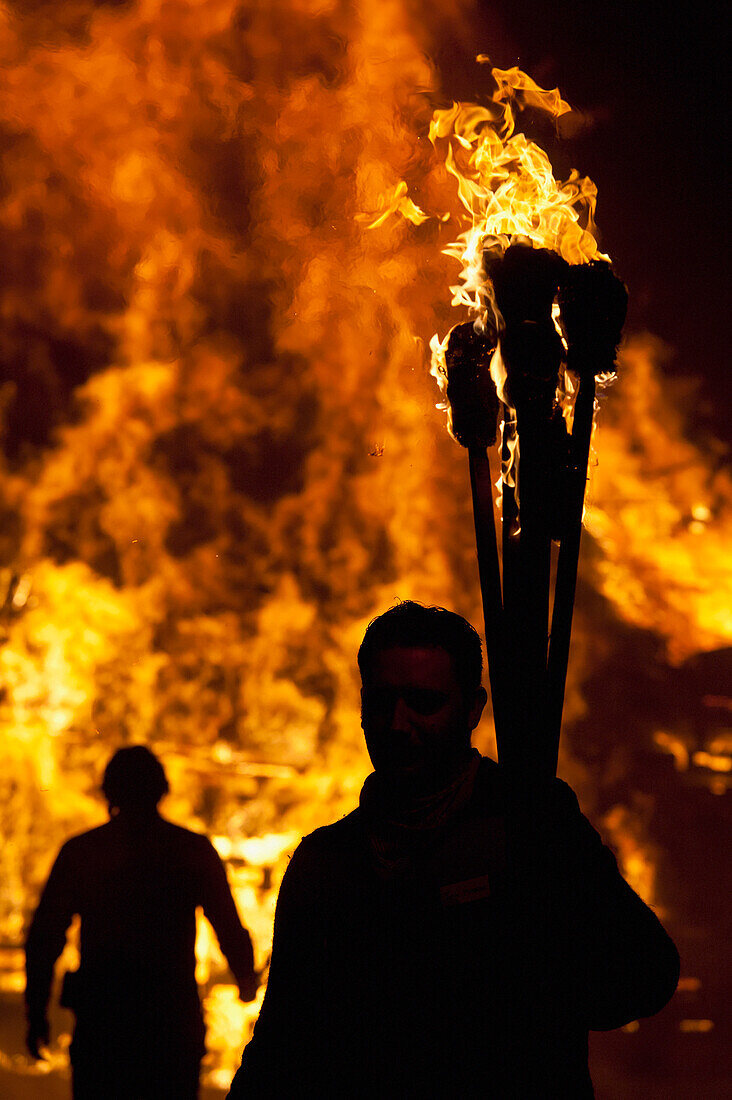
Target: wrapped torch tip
[[470, 388], [525, 282], [593, 303]]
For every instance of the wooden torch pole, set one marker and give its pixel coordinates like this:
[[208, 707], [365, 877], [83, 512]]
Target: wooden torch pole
[[593, 303], [481, 484], [566, 579]]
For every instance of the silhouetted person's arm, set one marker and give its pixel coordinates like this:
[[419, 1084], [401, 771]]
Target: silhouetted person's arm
[[633, 965], [607, 945], [636, 964], [44, 944], [220, 910]]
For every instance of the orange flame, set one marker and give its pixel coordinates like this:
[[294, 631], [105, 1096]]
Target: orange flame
[[220, 459], [508, 192]]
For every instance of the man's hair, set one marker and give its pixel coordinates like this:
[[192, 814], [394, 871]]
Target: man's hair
[[411, 624], [134, 777]]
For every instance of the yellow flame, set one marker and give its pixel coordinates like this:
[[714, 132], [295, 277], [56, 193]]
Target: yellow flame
[[626, 827], [507, 187], [180, 199], [397, 203], [675, 746], [642, 508], [716, 762], [508, 192]]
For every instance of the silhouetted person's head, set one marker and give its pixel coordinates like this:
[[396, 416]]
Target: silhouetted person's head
[[421, 697], [134, 781]]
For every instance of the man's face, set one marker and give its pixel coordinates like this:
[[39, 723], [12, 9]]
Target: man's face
[[415, 717]]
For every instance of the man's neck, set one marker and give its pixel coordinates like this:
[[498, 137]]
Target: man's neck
[[408, 789], [137, 818]]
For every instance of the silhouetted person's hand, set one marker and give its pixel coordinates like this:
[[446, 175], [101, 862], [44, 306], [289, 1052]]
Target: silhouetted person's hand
[[38, 1035]]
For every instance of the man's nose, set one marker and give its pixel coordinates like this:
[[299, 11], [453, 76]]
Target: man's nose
[[401, 718]]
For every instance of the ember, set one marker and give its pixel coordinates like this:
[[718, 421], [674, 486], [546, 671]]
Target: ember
[[204, 351]]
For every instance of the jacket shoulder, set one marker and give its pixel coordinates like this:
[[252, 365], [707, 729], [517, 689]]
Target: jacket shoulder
[[337, 833], [178, 834], [319, 849], [82, 843]]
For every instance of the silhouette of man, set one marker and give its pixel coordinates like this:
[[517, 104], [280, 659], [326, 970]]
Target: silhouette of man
[[135, 883], [457, 934]]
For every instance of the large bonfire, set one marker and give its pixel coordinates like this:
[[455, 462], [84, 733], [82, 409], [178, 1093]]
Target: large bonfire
[[221, 454]]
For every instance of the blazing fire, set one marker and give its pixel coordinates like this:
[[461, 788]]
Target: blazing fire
[[221, 456]]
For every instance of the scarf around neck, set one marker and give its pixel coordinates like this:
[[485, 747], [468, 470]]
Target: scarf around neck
[[400, 830]]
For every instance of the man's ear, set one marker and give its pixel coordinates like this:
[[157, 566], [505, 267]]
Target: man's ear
[[478, 705]]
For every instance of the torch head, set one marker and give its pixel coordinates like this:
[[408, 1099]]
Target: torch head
[[525, 283], [470, 389], [593, 303]]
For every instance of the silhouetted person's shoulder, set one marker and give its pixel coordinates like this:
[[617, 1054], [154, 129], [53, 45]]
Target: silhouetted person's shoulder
[[97, 853], [158, 829]]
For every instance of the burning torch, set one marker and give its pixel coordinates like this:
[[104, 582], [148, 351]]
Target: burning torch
[[549, 315]]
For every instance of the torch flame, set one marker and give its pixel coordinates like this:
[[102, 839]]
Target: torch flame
[[508, 193], [506, 185]]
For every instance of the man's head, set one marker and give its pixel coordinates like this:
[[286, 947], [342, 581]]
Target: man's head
[[421, 696], [134, 780]]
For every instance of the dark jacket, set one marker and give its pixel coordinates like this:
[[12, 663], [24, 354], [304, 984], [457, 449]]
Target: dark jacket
[[477, 973], [136, 890]]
